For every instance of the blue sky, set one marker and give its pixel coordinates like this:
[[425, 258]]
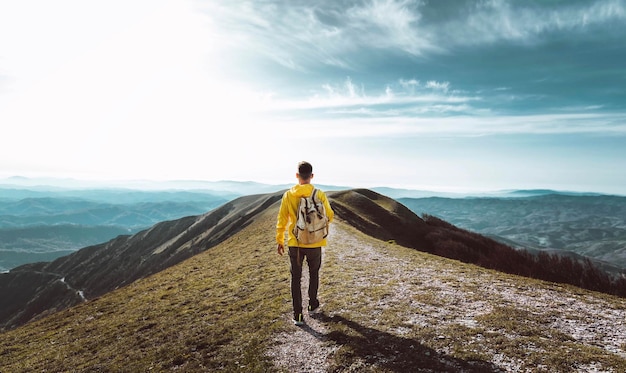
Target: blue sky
[[440, 95]]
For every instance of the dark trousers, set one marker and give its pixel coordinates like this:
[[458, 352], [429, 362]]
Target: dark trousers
[[314, 261]]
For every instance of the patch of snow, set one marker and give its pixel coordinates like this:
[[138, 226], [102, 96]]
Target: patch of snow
[[80, 293]]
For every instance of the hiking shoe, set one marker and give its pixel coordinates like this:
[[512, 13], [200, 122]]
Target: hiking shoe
[[314, 310], [298, 320]]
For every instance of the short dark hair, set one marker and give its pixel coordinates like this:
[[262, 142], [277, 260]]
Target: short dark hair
[[305, 170]]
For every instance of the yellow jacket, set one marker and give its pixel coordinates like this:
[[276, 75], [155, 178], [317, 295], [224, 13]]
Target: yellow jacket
[[287, 213]]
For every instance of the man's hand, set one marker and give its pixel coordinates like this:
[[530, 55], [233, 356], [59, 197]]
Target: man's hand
[[280, 249]]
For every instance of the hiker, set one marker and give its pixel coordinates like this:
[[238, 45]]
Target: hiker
[[298, 251]]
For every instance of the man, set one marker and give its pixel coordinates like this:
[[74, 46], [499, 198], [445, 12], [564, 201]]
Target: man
[[297, 251]]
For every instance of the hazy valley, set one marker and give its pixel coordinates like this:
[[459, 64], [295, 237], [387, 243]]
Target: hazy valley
[[43, 223], [589, 225]]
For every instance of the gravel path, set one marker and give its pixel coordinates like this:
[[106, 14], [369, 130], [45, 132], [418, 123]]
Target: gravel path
[[461, 299], [304, 348]]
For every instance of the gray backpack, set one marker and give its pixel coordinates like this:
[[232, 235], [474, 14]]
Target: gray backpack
[[311, 223]]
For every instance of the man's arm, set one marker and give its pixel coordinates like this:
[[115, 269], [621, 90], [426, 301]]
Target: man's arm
[[281, 225], [329, 211]]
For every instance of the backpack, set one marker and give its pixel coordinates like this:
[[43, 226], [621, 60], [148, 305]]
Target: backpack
[[311, 222]]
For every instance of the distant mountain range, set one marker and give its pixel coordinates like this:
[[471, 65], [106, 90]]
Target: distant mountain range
[[43, 219], [228, 188], [43, 222]]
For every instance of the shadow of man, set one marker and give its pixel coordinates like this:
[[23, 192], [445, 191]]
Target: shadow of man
[[390, 352]]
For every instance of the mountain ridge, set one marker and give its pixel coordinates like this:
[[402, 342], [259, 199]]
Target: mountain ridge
[[98, 269], [387, 308]]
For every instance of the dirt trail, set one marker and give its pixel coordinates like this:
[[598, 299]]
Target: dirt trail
[[304, 348], [307, 348], [461, 299]]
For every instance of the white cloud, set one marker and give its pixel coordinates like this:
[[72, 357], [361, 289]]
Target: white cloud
[[440, 86], [288, 34], [302, 35], [458, 126], [505, 20], [407, 97], [390, 24], [409, 83]]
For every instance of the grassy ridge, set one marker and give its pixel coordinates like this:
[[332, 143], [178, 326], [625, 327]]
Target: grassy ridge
[[213, 311], [387, 308]]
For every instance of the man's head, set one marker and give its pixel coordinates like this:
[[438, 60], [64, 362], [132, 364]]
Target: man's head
[[305, 172]]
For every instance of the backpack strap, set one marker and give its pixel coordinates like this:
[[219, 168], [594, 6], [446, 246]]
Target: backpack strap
[[319, 213]]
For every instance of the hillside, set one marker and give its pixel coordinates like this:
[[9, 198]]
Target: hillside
[[589, 225], [37, 289], [387, 308]]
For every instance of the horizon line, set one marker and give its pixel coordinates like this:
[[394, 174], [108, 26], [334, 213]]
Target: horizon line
[[166, 184]]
